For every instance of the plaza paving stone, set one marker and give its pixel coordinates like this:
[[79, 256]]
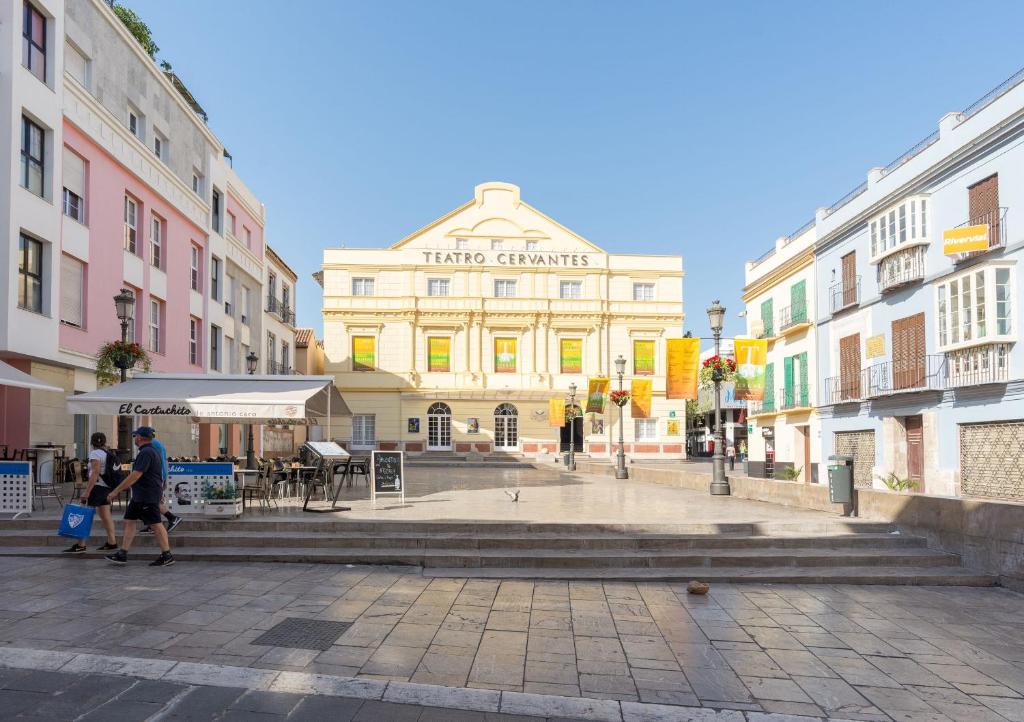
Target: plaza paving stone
[[853, 652]]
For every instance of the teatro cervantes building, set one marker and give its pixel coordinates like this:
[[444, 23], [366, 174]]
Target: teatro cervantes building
[[455, 338]]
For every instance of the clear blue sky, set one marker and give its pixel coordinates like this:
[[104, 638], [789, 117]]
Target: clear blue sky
[[704, 129]]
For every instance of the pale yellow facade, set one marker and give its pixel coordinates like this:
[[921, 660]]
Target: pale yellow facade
[[504, 296]]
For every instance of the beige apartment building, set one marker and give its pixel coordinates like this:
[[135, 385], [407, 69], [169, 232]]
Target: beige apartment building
[[455, 338]]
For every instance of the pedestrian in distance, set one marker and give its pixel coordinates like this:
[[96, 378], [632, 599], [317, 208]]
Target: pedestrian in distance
[[146, 483], [172, 519], [104, 475]]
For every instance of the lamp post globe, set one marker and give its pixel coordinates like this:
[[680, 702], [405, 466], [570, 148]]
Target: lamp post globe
[[250, 453], [124, 306], [719, 482], [620, 457]]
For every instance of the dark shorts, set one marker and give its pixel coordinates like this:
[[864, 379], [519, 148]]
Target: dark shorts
[[148, 514], [98, 496]]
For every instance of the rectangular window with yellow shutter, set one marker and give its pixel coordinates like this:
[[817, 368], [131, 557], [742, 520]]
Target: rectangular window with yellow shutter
[[643, 358], [364, 353]]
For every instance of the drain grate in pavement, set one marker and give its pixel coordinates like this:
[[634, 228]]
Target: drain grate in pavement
[[301, 633]]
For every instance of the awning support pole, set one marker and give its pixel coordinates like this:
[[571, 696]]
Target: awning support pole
[[329, 412]]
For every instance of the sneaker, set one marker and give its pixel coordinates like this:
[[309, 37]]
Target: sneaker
[[145, 530], [164, 560], [109, 548], [120, 557], [75, 549], [173, 523]]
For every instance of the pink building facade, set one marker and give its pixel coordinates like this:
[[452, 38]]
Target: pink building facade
[[116, 182]]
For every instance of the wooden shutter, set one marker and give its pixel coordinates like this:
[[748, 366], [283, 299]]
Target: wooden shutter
[[798, 302], [787, 382], [766, 317], [849, 367], [908, 352], [769, 387], [804, 391], [849, 279], [983, 203], [72, 281]]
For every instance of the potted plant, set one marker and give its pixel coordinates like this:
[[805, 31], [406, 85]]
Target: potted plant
[[720, 368], [221, 499], [895, 483], [619, 398]]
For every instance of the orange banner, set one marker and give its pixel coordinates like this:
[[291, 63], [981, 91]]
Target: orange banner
[[556, 412], [682, 362], [641, 399]]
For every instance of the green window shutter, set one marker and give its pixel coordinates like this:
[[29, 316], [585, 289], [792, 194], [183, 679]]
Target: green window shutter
[[804, 398], [769, 387], [787, 380], [766, 317], [798, 299]]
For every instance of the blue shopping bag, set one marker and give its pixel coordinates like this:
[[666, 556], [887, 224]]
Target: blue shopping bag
[[76, 521]]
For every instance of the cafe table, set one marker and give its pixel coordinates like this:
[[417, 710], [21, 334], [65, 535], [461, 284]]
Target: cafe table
[[45, 458], [242, 476]]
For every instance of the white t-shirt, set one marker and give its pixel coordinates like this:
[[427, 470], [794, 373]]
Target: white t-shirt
[[99, 455]]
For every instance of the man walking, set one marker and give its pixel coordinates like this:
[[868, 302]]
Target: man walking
[[172, 519], [146, 483]]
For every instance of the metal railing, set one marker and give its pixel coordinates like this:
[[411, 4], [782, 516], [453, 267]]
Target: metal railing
[[979, 365], [917, 148], [800, 231], [761, 407], [792, 397], [790, 316], [276, 367], [287, 315], [844, 295], [991, 96], [273, 305], [901, 268], [280, 309], [841, 389], [847, 198], [905, 375], [996, 221]]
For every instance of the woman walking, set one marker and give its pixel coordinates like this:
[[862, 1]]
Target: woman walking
[[96, 491]]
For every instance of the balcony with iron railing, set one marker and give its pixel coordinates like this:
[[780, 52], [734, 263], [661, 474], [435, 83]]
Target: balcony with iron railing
[[904, 376], [844, 389], [281, 309], [788, 398], [844, 294], [996, 222], [791, 317], [277, 367], [978, 365], [901, 268], [762, 408]]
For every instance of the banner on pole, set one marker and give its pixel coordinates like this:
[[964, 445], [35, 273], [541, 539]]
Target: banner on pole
[[571, 355], [597, 389], [556, 412], [751, 358], [641, 399], [439, 359], [682, 363]]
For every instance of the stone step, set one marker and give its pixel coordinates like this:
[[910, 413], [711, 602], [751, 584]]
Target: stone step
[[184, 536], [917, 576], [546, 558]]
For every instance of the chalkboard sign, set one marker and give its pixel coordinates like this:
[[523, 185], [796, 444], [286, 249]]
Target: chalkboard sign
[[388, 473]]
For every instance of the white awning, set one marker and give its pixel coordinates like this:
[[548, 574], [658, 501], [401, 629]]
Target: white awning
[[272, 399], [10, 376]]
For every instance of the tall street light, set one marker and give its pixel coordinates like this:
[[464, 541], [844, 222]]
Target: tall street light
[[620, 458], [572, 427], [124, 303], [250, 453], [719, 484]]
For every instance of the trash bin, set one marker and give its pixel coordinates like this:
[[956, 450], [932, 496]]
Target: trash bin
[[840, 479]]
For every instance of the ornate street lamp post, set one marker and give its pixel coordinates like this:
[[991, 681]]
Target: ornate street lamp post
[[250, 451], [572, 427], [124, 303], [719, 483], [620, 458]]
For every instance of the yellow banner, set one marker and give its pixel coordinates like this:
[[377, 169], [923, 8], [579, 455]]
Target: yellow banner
[[751, 359], [571, 355], [556, 412], [364, 356], [965, 239], [874, 346], [439, 359], [682, 362], [641, 399], [643, 358], [504, 355], [597, 389]]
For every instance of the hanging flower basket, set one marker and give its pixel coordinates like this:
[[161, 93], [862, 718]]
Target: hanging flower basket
[[725, 366], [619, 398], [110, 357]]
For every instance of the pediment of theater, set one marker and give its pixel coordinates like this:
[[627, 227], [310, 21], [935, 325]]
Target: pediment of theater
[[497, 213]]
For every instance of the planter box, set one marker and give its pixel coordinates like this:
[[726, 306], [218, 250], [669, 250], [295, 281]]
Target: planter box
[[227, 508]]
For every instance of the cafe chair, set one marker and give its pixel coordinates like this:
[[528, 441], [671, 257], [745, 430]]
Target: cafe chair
[[359, 466], [41, 489]]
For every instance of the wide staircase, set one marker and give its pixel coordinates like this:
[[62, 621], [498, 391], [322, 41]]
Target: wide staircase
[[837, 551]]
